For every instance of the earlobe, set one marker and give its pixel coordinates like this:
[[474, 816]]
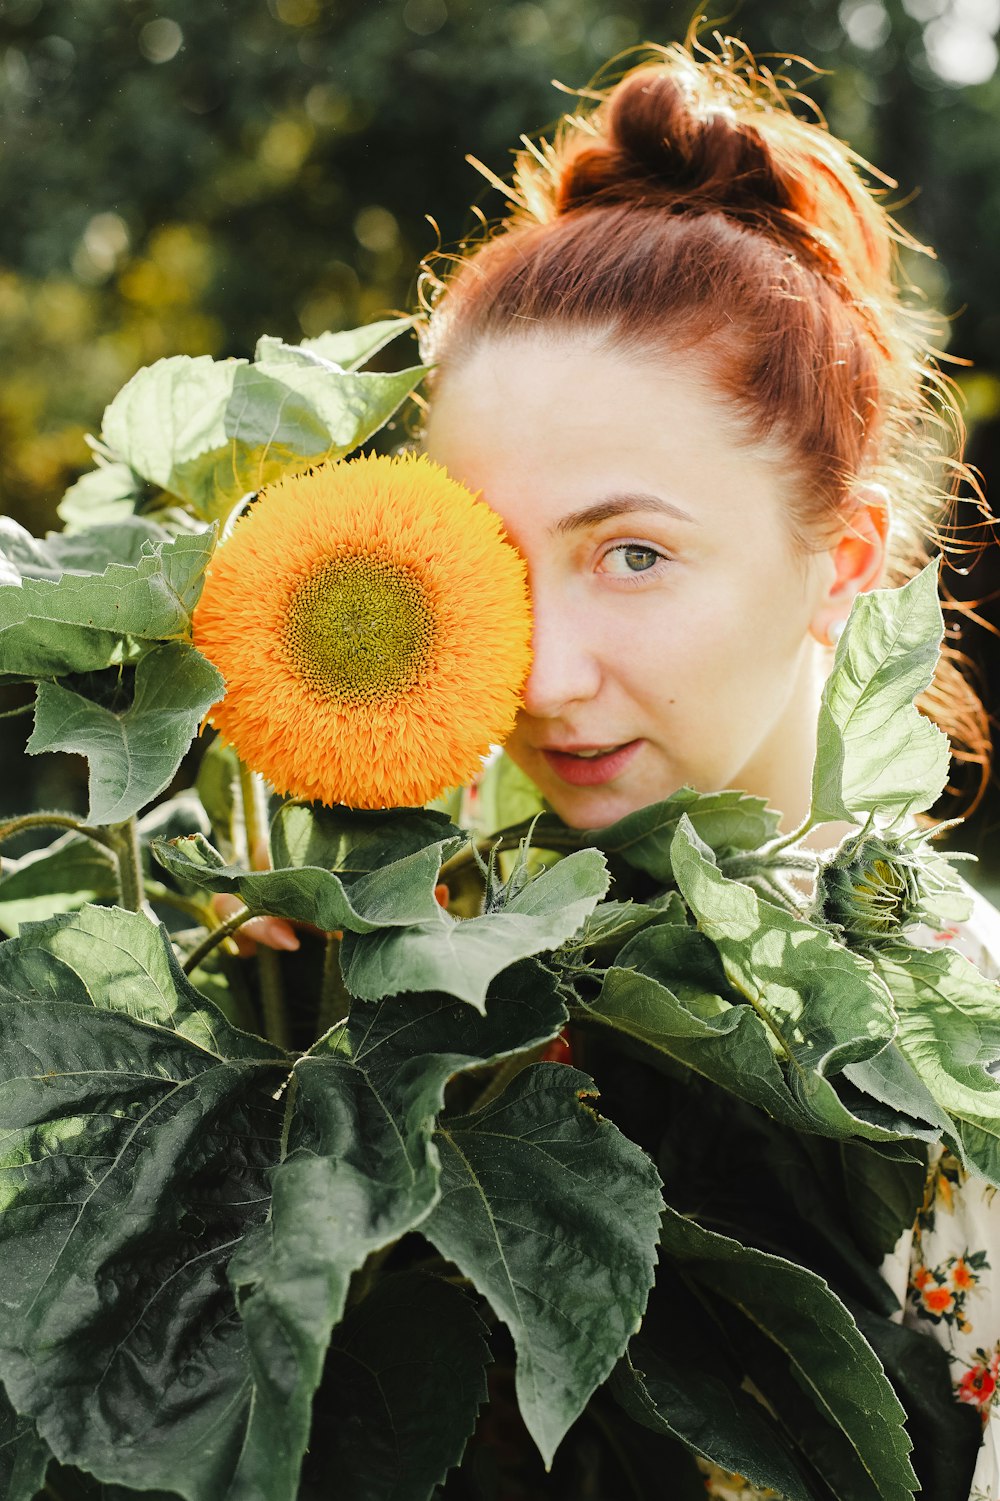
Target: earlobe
[[858, 557]]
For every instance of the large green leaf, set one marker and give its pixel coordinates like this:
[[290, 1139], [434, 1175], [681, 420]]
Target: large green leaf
[[823, 1006], [829, 1358], [400, 892], [211, 431], [949, 1031], [403, 1382], [876, 753], [80, 622], [134, 755], [138, 1131], [24, 1458], [553, 1215], [361, 1171], [678, 1395], [461, 956]]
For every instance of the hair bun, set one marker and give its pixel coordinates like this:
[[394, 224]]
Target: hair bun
[[662, 143], [678, 137]]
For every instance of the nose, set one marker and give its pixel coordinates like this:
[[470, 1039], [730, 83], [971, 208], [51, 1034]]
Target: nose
[[566, 660]]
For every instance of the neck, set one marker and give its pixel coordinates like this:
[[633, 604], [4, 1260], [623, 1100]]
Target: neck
[[781, 768]]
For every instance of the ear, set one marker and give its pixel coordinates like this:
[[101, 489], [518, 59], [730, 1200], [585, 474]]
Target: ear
[[857, 556]]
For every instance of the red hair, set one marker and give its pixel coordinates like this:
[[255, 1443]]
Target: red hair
[[693, 211]]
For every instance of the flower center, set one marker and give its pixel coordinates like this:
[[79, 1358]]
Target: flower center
[[359, 629]]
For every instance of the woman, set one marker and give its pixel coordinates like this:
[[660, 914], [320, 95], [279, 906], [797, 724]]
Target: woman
[[684, 376]]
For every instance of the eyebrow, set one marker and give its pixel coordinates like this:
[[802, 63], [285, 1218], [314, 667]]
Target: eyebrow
[[618, 505]]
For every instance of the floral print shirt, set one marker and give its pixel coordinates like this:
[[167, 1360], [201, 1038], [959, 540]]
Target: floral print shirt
[[945, 1272]]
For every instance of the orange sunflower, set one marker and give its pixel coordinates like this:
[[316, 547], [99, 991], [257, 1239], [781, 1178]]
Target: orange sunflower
[[372, 626]]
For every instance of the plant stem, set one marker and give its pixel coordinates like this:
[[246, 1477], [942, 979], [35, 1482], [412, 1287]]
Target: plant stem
[[255, 823], [334, 997], [55, 820], [272, 997], [125, 842], [216, 936]]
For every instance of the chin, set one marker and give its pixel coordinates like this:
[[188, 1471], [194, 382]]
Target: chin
[[593, 808]]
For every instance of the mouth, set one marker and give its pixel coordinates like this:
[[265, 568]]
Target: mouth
[[589, 765]]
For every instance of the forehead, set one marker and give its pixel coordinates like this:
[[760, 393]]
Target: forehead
[[541, 425]]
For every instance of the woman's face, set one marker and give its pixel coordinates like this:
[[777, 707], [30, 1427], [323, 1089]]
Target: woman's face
[[671, 609]]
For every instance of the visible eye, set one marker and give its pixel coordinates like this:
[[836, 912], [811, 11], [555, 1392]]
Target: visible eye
[[630, 558]]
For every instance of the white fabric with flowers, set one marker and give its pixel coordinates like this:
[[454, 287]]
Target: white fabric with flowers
[[945, 1272]]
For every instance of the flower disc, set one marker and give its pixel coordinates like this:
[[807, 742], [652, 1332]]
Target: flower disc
[[373, 629]]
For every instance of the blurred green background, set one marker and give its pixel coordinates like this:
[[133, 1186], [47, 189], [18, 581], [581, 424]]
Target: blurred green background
[[179, 176]]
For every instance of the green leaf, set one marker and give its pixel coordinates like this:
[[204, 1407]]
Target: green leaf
[[947, 1435], [90, 551], [74, 870], [134, 755], [350, 842], [106, 496], [398, 893], [892, 1080], [824, 1007], [685, 1016], [138, 1130], [210, 432], [553, 1215], [876, 753], [403, 1382], [883, 1195], [361, 1171], [674, 1394], [830, 1359], [949, 1032], [60, 877], [80, 623], [726, 822], [353, 347], [611, 925], [461, 956], [24, 1458]]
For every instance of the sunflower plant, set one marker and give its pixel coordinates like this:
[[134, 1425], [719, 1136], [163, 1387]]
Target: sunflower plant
[[539, 1162]]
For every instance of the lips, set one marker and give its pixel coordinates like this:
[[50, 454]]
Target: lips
[[589, 765]]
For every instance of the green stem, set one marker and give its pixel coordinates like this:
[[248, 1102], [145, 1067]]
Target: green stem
[[255, 824], [334, 997], [808, 824], [157, 892], [18, 712], [272, 997], [216, 936], [255, 820], [53, 820], [125, 842], [286, 1124]]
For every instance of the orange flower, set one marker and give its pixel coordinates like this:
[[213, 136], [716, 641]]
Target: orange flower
[[937, 1299], [962, 1275], [373, 629], [921, 1277], [977, 1385]]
